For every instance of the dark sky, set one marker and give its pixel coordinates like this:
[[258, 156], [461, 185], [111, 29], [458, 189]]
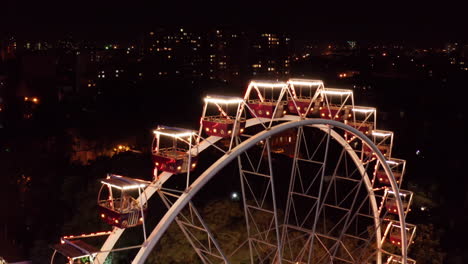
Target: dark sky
[[325, 19]]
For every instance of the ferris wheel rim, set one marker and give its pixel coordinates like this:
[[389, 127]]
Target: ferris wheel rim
[[208, 174]]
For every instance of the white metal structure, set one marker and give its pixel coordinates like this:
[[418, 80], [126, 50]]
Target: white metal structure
[[266, 100], [327, 207], [304, 97], [383, 139], [323, 125], [335, 103]]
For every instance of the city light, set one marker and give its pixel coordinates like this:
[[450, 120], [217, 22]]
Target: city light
[[121, 148], [31, 99]]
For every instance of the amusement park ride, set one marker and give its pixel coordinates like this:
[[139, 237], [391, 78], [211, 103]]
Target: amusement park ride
[[344, 203]]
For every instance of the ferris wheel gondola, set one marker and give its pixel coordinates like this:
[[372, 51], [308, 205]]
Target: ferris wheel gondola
[[117, 203]]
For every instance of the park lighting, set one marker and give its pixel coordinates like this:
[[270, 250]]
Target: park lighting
[[235, 196]]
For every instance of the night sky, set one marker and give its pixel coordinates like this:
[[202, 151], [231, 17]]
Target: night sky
[[329, 19]]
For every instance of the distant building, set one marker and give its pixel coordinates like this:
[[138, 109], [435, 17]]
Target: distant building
[[270, 54], [7, 49]]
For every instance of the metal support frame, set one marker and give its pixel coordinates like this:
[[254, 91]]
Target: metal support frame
[[254, 87], [303, 82], [184, 222], [260, 205]]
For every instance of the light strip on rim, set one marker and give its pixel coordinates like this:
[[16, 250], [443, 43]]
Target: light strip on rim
[[336, 92], [102, 233], [185, 134], [268, 85], [126, 187], [380, 134], [392, 162], [401, 193], [399, 226], [223, 101], [304, 82], [364, 110]]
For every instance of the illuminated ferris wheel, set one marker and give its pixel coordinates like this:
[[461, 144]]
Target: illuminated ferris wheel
[[318, 182]]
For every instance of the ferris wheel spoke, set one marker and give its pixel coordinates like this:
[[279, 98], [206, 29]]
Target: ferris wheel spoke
[[347, 222], [273, 194], [322, 142], [319, 201], [292, 179], [265, 203], [367, 243], [213, 143], [317, 176], [193, 222]]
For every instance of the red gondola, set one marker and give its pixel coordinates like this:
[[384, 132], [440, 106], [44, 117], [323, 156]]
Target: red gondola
[[393, 233], [398, 169], [304, 99], [175, 157], [222, 127], [334, 103], [385, 149], [332, 112], [223, 124], [266, 99], [391, 203], [302, 106], [117, 205], [266, 109]]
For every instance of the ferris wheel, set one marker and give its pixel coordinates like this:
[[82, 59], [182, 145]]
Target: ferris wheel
[[318, 182]]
